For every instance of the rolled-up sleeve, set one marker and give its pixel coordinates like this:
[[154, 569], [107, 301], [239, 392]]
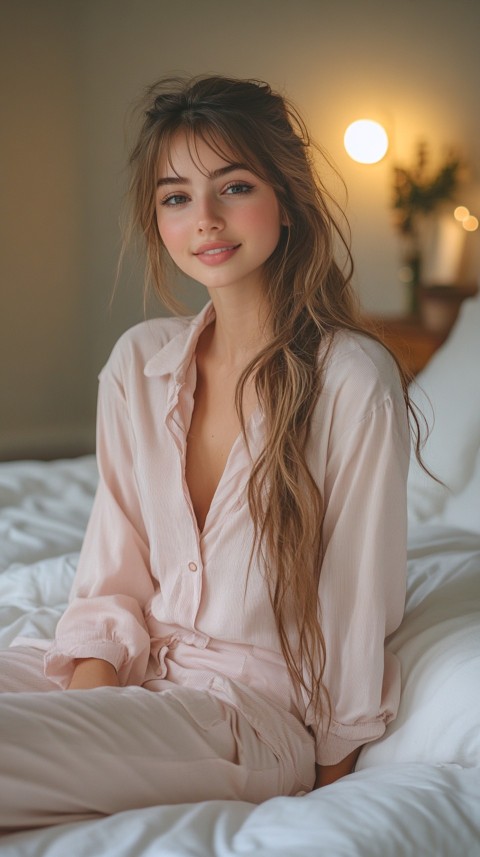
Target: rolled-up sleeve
[[105, 617], [363, 576]]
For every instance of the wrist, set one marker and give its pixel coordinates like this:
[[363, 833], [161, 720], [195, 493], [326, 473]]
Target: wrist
[[89, 673]]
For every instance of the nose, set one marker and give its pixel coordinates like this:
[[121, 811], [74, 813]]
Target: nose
[[209, 216]]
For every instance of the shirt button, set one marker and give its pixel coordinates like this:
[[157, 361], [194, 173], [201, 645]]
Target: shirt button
[[192, 566]]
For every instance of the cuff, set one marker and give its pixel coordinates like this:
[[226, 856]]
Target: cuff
[[59, 666], [340, 740]]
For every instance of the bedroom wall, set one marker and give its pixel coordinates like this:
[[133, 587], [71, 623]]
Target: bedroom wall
[[44, 380], [414, 65]]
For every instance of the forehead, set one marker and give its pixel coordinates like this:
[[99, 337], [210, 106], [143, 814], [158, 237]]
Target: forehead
[[186, 151]]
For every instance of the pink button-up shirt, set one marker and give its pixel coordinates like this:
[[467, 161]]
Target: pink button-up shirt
[[163, 602]]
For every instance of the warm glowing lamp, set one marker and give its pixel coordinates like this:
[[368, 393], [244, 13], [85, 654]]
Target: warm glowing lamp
[[366, 141]]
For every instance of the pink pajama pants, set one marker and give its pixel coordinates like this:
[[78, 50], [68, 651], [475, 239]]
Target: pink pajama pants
[[71, 755]]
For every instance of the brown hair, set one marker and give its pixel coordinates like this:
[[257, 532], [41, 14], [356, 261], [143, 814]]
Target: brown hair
[[310, 297]]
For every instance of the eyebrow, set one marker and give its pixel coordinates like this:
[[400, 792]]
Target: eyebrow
[[215, 174]]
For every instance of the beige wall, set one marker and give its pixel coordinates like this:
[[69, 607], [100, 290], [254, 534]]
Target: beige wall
[[72, 70], [42, 382]]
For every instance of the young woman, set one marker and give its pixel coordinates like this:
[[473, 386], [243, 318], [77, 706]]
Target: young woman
[[245, 558]]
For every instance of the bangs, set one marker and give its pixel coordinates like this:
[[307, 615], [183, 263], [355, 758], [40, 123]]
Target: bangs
[[227, 145]]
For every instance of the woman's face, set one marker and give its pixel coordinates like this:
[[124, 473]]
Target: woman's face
[[218, 221]]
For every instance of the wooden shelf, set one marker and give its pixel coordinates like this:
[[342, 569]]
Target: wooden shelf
[[440, 305], [415, 340], [410, 341]]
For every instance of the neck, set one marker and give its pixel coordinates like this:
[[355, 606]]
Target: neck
[[241, 327]]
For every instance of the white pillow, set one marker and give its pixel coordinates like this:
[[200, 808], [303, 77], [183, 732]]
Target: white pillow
[[450, 385], [438, 645], [463, 509]]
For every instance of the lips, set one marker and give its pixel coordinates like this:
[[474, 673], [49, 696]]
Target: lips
[[215, 249], [216, 253]]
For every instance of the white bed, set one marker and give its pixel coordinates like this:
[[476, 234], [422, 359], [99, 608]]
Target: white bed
[[415, 792]]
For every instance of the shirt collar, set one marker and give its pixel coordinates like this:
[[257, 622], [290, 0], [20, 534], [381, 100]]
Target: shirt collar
[[175, 357]]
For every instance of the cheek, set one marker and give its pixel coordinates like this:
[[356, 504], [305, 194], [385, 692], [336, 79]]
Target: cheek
[[170, 232], [264, 219], [267, 221]]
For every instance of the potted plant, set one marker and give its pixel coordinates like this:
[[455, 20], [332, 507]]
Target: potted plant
[[417, 194]]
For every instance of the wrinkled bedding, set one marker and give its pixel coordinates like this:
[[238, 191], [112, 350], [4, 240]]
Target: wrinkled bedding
[[415, 792]]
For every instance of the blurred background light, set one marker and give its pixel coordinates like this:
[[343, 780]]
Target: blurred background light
[[366, 141], [461, 213], [470, 223]]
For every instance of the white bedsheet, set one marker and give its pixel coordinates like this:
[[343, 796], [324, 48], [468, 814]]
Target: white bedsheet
[[416, 793]]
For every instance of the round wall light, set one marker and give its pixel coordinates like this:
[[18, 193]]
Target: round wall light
[[366, 141]]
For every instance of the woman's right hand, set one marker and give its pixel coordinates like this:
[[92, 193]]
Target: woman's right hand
[[93, 672]]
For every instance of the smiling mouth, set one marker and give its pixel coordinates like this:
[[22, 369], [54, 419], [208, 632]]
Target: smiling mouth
[[215, 251]]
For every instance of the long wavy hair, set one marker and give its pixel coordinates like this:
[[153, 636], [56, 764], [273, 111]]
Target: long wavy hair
[[309, 297]]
